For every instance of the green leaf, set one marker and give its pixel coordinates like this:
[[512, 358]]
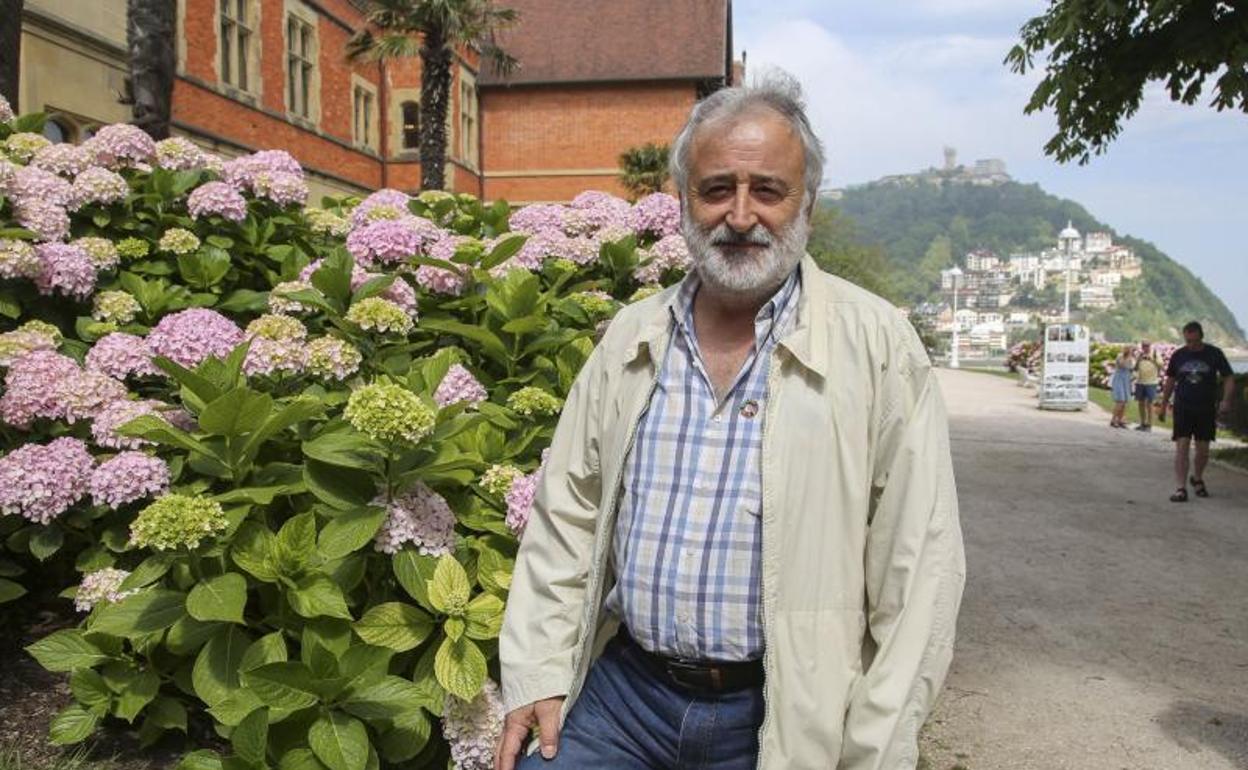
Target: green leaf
[[316, 596], [72, 725], [394, 625], [449, 590], [296, 542], [167, 713], [506, 248], [144, 613], [235, 707], [460, 667], [526, 325], [287, 685], [46, 541], [290, 414], [350, 531], [388, 698], [484, 616], [90, 690], [299, 759], [251, 737], [337, 487], [150, 570], [333, 279], [203, 759], [67, 650], [254, 550], [154, 429], [204, 268], [490, 344], [31, 122], [345, 449], [414, 570], [373, 287], [188, 635], [244, 301], [219, 598], [215, 674], [138, 692], [10, 590], [238, 412], [270, 648], [408, 736], [340, 741]]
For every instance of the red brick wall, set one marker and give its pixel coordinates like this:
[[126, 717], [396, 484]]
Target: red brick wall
[[572, 128]]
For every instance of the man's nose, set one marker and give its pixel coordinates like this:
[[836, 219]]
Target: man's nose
[[742, 217]]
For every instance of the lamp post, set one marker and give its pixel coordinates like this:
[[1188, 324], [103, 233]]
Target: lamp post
[[954, 273], [1067, 239]]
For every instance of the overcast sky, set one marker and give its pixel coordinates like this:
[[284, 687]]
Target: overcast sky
[[890, 82]]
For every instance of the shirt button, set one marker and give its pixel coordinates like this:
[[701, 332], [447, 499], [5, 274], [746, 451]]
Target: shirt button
[[718, 418]]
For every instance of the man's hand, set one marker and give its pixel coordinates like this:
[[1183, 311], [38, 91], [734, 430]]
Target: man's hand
[[516, 728], [1161, 412], [1224, 409]]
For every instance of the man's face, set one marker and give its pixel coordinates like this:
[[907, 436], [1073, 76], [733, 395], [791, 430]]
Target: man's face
[[743, 213], [1193, 338]]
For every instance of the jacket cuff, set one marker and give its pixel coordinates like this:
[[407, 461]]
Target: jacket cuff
[[529, 683]]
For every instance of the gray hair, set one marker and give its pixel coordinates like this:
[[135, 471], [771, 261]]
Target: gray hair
[[776, 91]]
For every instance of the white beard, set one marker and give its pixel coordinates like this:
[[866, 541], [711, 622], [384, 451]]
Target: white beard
[[748, 277]]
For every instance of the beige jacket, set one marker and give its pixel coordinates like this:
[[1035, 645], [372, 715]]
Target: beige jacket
[[862, 553]]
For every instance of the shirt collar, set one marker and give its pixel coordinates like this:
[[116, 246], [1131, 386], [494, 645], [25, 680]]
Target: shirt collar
[[774, 309]]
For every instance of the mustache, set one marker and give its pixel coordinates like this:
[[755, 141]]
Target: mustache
[[723, 235]]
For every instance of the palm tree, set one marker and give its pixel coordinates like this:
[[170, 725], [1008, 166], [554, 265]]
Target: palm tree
[[10, 49], [149, 89], [432, 29], [643, 169]]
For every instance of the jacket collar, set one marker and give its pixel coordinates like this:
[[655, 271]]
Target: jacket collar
[[805, 340]]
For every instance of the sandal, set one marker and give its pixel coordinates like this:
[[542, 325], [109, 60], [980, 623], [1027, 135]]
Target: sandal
[[1199, 486], [1180, 496]]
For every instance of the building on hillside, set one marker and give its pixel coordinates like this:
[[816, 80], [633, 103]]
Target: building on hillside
[[263, 74], [981, 259], [1094, 297], [592, 84]]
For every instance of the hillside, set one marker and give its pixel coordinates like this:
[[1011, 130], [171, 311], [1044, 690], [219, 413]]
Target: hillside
[[910, 232]]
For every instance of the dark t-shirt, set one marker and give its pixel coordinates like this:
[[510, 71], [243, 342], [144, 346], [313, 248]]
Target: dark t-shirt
[[1195, 374]]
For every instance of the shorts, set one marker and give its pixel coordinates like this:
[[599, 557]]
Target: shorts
[[1145, 392], [1197, 423]]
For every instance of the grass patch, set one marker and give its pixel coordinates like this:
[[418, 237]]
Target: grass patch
[[12, 758], [1237, 456], [1102, 398]]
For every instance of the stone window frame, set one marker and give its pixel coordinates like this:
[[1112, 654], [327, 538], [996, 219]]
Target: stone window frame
[[371, 117], [253, 90], [300, 13], [469, 122], [395, 99]]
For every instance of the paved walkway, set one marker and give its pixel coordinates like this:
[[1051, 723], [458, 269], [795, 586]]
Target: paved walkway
[[1102, 625]]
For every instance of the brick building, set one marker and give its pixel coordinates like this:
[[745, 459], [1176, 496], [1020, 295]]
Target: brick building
[[258, 74]]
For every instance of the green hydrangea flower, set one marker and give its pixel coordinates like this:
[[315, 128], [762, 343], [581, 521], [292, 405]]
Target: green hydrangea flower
[[43, 327], [499, 478], [21, 147], [430, 197], [133, 248], [102, 251], [324, 221], [649, 290], [30, 336], [332, 359], [389, 413], [115, 306], [595, 303], [533, 401], [381, 315], [280, 328], [177, 521], [178, 240]]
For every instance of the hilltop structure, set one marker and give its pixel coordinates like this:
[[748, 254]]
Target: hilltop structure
[[262, 74], [984, 172]]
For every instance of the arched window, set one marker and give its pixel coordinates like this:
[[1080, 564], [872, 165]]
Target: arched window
[[57, 131], [411, 125]]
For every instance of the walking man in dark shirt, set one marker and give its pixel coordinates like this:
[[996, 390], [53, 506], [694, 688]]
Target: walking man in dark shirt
[[1192, 377]]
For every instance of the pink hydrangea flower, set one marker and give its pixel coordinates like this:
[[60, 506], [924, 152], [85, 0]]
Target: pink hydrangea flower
[[32, 183], [34, 386], [48, 221], [128, 477], [98, 185], [41, 481], [6, 111], [657, 214], [282, 188], [18, 259], [121, 355], [459, 385], [243, 172], [67, 160], [383, 204], [537, 218], [87, 392], [520, 497], [593, 210], [668, 253], [66, 269], [418, 516], [472, 728], [106, 422], [539, 247], [121, 145], [179, 154], [389, 241], [103, 585], [189, 336], [217, 198], [439, 279]]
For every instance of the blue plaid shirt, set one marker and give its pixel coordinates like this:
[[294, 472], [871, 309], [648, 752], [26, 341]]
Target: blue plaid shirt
[[688, 538]]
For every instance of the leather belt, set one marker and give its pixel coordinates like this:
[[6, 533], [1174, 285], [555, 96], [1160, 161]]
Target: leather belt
[[704, 676]]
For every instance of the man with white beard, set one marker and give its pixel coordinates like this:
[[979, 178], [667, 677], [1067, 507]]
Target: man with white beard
[[744, 550]]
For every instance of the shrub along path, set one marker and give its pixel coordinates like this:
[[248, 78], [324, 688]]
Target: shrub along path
[[1102, 626]]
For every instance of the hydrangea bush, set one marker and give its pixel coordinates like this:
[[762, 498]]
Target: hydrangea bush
[[285, 451]]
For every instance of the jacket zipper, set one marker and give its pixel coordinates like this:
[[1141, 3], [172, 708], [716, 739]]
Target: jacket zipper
[[769, 418], [592, 611]]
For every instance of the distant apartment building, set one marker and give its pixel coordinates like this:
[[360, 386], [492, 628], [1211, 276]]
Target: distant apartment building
[[259, 74]]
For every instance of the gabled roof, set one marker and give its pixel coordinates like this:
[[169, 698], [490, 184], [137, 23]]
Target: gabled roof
[[568, 41]]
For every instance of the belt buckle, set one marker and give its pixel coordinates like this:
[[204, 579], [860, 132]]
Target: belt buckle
[[694, 675]]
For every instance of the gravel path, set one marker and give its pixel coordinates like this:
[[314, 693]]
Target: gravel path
[[1102, 625]]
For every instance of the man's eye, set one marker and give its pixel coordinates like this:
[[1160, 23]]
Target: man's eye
[[717, 191], [768, 194]]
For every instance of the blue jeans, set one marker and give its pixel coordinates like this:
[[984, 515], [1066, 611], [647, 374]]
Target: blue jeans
[[629, 717]]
